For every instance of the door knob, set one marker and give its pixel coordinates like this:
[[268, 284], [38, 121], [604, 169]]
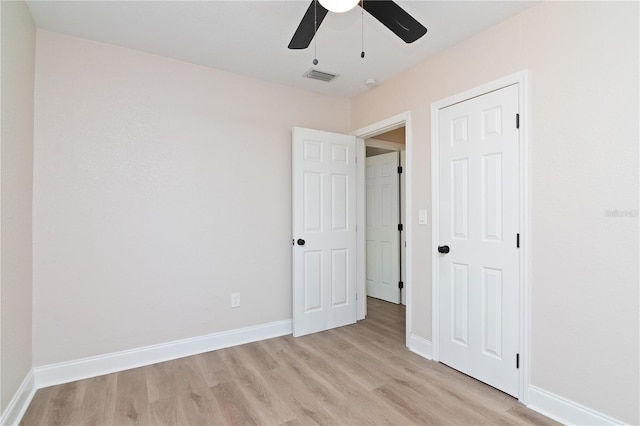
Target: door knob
[[301, 242], [443, 249]]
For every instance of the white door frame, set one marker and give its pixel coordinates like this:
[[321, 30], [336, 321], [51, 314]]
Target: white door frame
[[521, 79], [392, 123]]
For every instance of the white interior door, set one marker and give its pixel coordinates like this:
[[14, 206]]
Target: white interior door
[[324, 230], [383, 217], [403, 220], [478, 212]]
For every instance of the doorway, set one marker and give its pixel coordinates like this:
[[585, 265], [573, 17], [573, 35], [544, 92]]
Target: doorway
[[402, 120], [385, 198], [309, 284]]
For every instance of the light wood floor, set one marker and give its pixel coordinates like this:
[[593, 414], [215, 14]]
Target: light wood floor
[[354, 375]]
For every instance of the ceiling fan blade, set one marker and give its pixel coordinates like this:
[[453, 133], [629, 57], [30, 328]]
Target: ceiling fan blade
[[396, 19], [308, 26]]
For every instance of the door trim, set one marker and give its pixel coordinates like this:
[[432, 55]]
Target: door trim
[[520, 79], [391, 123]]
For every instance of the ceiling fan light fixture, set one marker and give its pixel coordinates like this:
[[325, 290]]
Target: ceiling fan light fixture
[[339, 6]]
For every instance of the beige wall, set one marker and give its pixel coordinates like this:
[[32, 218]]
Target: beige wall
[[160, 188], [16, 154], [583, 66]]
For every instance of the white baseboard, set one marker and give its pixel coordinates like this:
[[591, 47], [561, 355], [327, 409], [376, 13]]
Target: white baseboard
[[422, 347], [70, 371], [565, 411], [20, 402], [542, 401], [553, 406]]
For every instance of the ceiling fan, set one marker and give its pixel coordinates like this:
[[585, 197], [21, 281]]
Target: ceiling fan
[[386, 11]]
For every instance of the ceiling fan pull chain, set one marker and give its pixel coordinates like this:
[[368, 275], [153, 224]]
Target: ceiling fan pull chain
[[315, 31], [362, 15]]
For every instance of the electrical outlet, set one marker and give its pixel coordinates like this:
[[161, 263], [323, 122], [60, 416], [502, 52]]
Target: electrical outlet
[[235, 300]]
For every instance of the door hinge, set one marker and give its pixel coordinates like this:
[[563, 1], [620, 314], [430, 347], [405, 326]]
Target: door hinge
[[399, 169], [517, 121], [517, 240], [517, 360], [400, 227], [400, 284]]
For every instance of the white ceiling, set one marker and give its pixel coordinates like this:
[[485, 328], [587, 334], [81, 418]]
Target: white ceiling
[[251, 37]]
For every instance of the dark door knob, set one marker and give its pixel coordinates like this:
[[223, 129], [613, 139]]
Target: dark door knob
[[443, 249], [301, 242]]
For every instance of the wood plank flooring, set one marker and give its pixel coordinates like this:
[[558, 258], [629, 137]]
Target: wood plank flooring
[[355, 375]]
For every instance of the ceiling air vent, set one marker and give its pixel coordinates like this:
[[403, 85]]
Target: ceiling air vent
[[320, 75]]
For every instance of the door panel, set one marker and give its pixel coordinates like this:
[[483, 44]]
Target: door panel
[[460, 305], [492, 311], [339, 277], [460, 188], [339, 202], [383, 217], [492, 197], [312, 281], [324, 216], [312, 214], [478, 211]]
